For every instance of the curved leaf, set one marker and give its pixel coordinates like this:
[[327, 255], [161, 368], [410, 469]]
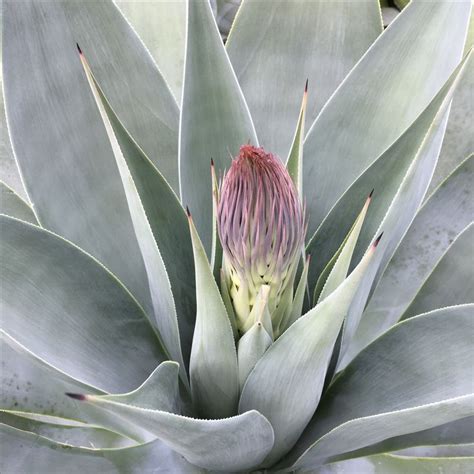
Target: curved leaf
[[452, 279], [402, 210], [385, 175], [65, 431], [35, 387], [287, 381], [215, 120], [236, 443], [164, 309], [455, 433], [213, 366], [69, 310], [414, 377], [23, 451], [275, 46], [161, 26], [446, 213], [11, 204], [57, 134], [29, 384], [373, 100]]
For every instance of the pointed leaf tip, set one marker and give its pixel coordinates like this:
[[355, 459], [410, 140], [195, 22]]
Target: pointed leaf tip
[[371, 193], [377, 240], [306, 87], [79, 48], [188, 212], [212, 163], [76, 396]]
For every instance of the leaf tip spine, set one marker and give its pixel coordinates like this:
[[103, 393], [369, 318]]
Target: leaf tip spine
[[377, 240], [76, 396]]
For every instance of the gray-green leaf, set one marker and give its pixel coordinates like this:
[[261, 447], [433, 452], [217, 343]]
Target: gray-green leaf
[[287, 381], [213, 365], [69, 310], [215, 120], [416, 376], [373, 107]]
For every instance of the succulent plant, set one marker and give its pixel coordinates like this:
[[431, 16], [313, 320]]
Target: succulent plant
[[271, 327]]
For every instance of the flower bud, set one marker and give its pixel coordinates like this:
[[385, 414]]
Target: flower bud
[[262, 227]]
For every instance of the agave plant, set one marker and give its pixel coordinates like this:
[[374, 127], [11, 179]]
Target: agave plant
[[270, 326]]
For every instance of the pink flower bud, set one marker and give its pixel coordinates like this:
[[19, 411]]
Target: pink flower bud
[[262, 227]]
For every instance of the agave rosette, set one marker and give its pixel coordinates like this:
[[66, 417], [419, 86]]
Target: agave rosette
[[139, 338]]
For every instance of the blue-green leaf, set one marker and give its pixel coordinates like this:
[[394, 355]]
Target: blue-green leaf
[[380, 98], [414, 377], [286, 384], [215, 120], [452, 279], [28, 452], [232, 444], [57, 134], [275, 46], [446, 213], [69, 310], [164, 310], [213, 365]]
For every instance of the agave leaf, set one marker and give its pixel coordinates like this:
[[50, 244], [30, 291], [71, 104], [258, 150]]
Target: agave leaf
[[457, 433], [236, 443], [296, 40], [287, 381], [65, 431], [457, 143], [158, 392], [213, 365], [388, 171], [34, 386], [69, 310], [416, 376], [298, 300], [215, 120], [24, 452], [446, 213], [294, 162], [62, 149], [373, 100], [11, 204], [161, 26], [165, 318], [252, 345], [336, 270], [169, 225], [401, 211], [390, 464], [452, 279]]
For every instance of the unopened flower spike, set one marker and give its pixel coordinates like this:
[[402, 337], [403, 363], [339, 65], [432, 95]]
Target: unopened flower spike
[[261, 226]]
